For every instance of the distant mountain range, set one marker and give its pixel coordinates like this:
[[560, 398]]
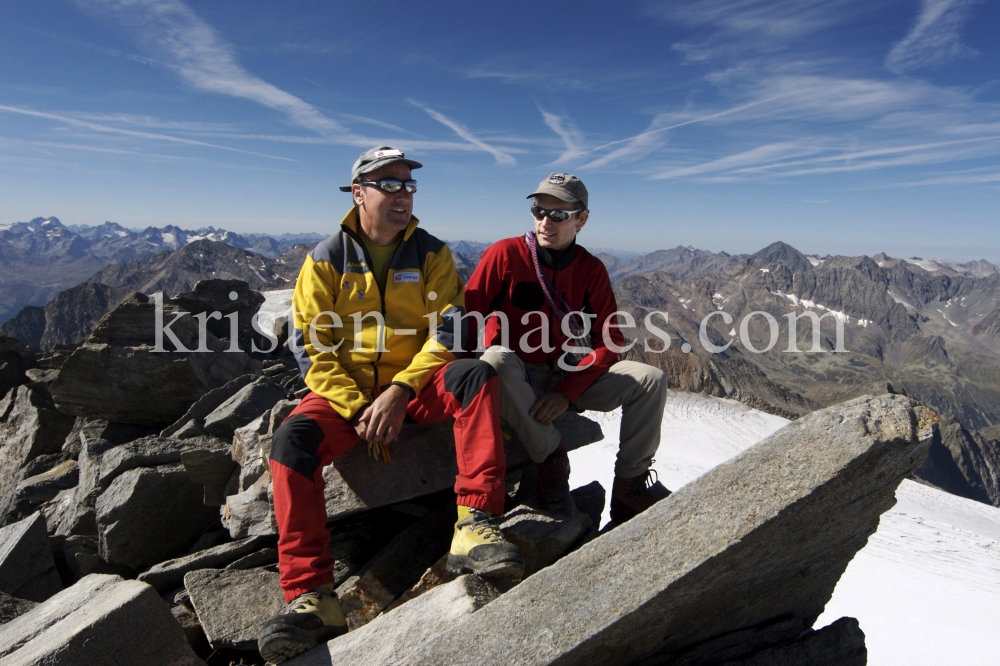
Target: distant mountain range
[[40, 258]]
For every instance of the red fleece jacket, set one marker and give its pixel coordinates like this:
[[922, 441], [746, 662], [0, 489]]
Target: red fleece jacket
[[505, 281]]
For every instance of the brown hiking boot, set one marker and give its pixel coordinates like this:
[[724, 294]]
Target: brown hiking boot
[[553, 482], [630, 497]]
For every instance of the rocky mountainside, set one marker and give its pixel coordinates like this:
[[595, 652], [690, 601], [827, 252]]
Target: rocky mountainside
[[67, 318], [43, 257], [73, 313], [180, 270]]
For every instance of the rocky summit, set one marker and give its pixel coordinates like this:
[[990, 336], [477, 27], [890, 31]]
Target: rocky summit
[[136, 518]]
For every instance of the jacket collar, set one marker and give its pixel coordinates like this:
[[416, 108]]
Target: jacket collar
[[556, 260], [352, 223]]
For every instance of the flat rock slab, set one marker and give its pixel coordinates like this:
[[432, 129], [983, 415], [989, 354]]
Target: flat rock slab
[[168, 575], [392, 637], [246, 404], [205, 405], [100, 621], [150, 514], [233, 605], [760, 540], [423, 462], [27, 570]]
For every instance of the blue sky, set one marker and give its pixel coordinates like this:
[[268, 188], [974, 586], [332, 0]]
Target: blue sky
[[842, 126]]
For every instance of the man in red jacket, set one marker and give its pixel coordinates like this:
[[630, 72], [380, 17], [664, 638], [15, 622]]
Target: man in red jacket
[[544, 286]]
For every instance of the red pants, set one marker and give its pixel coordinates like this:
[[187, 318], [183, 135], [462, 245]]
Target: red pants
[[314, 435]]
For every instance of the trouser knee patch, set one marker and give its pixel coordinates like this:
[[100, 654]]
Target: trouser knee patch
[[465, 378], [295, 443]]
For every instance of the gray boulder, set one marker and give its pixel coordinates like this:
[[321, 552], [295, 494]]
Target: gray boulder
[[29, 427], [393, 637], [11, 607], [100, 621], [233, 605], [280, 412], [204, 406], [150, 452], [246, 405], [225, 297], [839, 644], [74, 515], [543, 538], [212, 469], [27, 570], [116, 374], [251, 512], [741, 559], [148, 515], [34, 490], [170, 574]]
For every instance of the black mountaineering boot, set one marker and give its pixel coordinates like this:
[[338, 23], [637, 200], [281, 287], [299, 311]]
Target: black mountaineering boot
[[630, 497]]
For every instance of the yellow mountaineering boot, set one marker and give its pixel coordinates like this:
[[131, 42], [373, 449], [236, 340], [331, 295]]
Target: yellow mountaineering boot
[[310, 619], [479, 547]]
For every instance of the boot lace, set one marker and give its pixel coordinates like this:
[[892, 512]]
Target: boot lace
[[641, 485], [487, 526], [305, 602]]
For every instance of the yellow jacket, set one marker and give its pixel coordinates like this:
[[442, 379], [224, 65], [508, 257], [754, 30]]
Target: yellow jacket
[[423, 298]]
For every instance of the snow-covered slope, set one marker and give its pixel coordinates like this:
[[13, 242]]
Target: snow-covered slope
[[926, 588]]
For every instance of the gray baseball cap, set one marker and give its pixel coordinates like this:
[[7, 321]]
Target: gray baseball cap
[[563, 186], [376, 158]]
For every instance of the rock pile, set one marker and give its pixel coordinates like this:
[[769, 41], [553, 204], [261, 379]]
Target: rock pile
[[136, 519]]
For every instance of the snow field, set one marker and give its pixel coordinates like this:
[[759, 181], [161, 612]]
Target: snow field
[[926, 588]]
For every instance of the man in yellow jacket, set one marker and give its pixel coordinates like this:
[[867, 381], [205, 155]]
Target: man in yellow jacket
[[377, 308]]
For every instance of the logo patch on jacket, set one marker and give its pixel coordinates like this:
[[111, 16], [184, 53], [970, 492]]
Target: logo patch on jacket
[[346, 285], [361, 295], [406, 276]]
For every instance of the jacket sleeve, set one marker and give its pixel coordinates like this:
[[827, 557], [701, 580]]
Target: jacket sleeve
[[448, 308], [316, 293], [481, 293], [602, 301]]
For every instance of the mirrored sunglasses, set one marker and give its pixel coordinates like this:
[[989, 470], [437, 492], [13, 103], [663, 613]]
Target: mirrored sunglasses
[[555, 215], [392, 186]]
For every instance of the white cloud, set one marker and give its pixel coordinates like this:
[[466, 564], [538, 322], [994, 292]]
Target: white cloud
[[571, 136], [191, 47], [502, 156], [934, 38], [97, 127], [759, 155]]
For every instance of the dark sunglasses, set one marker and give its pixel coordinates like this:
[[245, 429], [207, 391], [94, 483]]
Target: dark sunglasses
[[392, 185], [555, 215]]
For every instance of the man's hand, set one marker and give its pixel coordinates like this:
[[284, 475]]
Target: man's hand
[[382, 420], [548, 406]]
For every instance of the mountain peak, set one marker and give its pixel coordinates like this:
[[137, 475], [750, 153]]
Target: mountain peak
[[783, 254]]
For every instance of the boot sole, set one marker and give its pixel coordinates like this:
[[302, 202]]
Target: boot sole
[[462, 564], [282, 645]]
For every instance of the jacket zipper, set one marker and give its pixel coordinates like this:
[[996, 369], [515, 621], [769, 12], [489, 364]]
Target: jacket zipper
[[381, 293]]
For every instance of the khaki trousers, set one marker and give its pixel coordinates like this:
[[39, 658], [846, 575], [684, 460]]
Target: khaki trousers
[[639, 389]]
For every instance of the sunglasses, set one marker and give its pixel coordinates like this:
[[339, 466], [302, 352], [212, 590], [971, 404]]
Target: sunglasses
[[555, 215], [392, 185]]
